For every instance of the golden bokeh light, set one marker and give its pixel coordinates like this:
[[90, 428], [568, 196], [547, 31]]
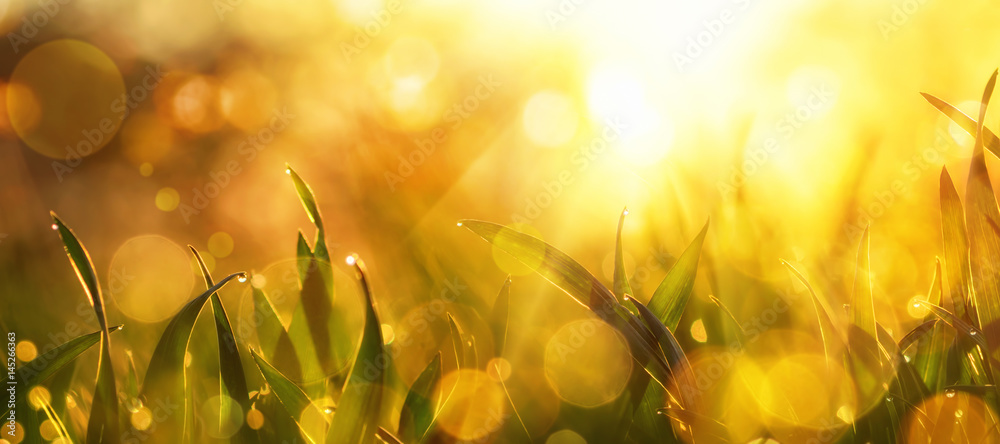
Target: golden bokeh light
[[550, 119], [476, 406], [587, 362], [220, 244], [167, 199], [39, 397], [255, 419], [222, 416], [565, 436], [26, 351], [141, 419], [66, 100], [135, 279]]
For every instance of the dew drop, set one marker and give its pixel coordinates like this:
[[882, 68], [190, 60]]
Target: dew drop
[[351, 260], [625, 212], [959, 413], [242, 277], [328, 410], [972, 332], [888, 398], [55, 227], [288, 171], [847, 307], [907, 358], [950, 393], [459, 224]]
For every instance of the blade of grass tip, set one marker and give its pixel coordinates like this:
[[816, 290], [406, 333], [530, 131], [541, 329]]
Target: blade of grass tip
[[862, 308], [500, 318], [308, 199], [47, 364], [672, 295], [165, 380], [956, 247], [982, 208], [132, 384], [741, 333], [910, 385], [292, 398], [356, 421], [419, 409], [232, 379], [621, 285], [103, 424], [464, 343], [867, 362], [911, 337], [573, 279], [827, 330]]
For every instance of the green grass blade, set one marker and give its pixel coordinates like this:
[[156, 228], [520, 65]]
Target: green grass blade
[[956, 248], [573, 279], [308, 199], [929, 360], [356, 420], [275, 342], [500, 318], [103, 424], [232, 379], [862, 309], [165, 379], [965, 122], [677, 362], [621, 285], [292, 398], [673, 293], [419, 409]]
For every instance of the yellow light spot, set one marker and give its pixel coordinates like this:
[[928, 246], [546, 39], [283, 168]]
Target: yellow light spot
[[222, 415], [167, 199], [476, 407], [508, 263], [258, 281], [135, 280], [18, 432], [313, 420], [187, 359], [846, 414], [247, 99], [195, 105], [255, 419], [387, 334], [498, 368], [220, 244], [146, 169], [698, 332], [915, 309], [142, 418], [67, 96], [26, 351], [48, 430], [38, 397], [550, 119], [412, 58], [565, 436], [587, 362]]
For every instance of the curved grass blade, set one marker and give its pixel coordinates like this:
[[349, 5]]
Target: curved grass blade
[[465, 351], [930, 359], [985, 252], [956, 248], [291, 397], [965, 122], [916, 334], [419, 409], [232, 379], [308, 199], [569, 276], [673, 293], [356, 420], [621, 285], [500, 318], [677, 363], [165, 380], [513, 407], [103, 425]]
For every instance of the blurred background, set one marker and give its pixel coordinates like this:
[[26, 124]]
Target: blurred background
[[789, 125]]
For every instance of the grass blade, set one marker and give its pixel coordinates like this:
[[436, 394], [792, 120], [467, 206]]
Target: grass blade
[[965, 122], [573, 279], [356, 420], [673, 293], [291, 397], [621, 285], [165, 380], [103, 425], [232, 380], [500, 318], [956, 248], [419, 409]]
